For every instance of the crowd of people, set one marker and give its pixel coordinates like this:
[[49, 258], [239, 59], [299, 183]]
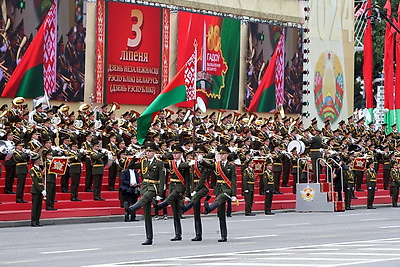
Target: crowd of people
[[189, 154]]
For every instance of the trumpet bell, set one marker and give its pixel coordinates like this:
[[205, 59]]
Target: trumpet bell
[[56, 120], [84, 107], [78, 124], [18, 101], [64, 108]]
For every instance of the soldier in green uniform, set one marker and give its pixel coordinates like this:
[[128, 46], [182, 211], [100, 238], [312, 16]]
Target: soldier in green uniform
[[248, 187], [371, 183], [153, 174], [21, 169], [348, 180], [50, 179], [315, 144], [37, 190], [386, 167], [268, 180], [96, 157], [395, 178], [277, 157], [200, 175], [88, 147], [178, 187], [224, 189], [112, 170], [75, 170]]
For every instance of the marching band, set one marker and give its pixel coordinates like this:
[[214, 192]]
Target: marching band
[[189, 148]]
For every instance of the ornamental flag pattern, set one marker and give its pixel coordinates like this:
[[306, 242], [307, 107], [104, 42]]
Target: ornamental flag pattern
[[190, 78], [50, 50], [279, 74]]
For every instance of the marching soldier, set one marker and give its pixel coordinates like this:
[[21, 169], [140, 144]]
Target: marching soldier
[[248, 187], [38, 191], [268, 180], [395, 178], [153, 175], [224, 189], [178, 187], [9, 164], [371, 183], [50, 180], [201, 189]]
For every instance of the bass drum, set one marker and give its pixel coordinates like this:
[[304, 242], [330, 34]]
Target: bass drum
[[299, 145]]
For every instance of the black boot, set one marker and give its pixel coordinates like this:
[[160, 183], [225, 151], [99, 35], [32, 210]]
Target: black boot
[[210, 208], [149, 235], [198, 230], [133, 217], [178, 231], [133, 208], [188, 206], [224, 232], [162, 205], [126, 206]]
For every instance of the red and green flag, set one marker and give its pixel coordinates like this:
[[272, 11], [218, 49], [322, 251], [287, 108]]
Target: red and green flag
[[397, 86], [264, 100], [36, 72], [388, 68], [181, 88]]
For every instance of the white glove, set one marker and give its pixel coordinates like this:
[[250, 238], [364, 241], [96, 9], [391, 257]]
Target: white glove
[[200, 158], [139, 154], [44, 193], [246, 191], [192, 162], [3, 48], [158, 198], [193, 193], [233, 199], [187, 199]]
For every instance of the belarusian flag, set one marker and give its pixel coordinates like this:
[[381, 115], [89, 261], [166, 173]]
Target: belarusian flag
[[36, 72], [181, 88], [388, 68], [264, 99]]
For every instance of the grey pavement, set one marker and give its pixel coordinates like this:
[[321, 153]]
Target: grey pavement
[[353, 238]]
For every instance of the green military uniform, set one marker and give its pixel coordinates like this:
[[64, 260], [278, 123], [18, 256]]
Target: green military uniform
[[386, 169], [371, 185], [37, 195], [97, 172], [395, 178], [268, 180], [50, 185], [75, 171], [248, 189], [348, 180], [112, 170], [315, 144], [21, 169], [178, 187], [153, 175], [88, 147], [223, 190], [277, 157]]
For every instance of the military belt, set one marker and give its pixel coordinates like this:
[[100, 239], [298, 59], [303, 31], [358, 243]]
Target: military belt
[[221, 182], [151, 181], [76, 163], [277, 163], [175, 180], [250, 182], [40, 183], [21, 163], [196, 181], [314, 149], [98, 165]]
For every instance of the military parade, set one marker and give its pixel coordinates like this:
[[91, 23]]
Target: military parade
[[191, 157]]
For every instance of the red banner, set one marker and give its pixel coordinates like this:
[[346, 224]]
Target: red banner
[[360, 164], [100, 26], [133, 53], [58, 165], [128, 159]]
